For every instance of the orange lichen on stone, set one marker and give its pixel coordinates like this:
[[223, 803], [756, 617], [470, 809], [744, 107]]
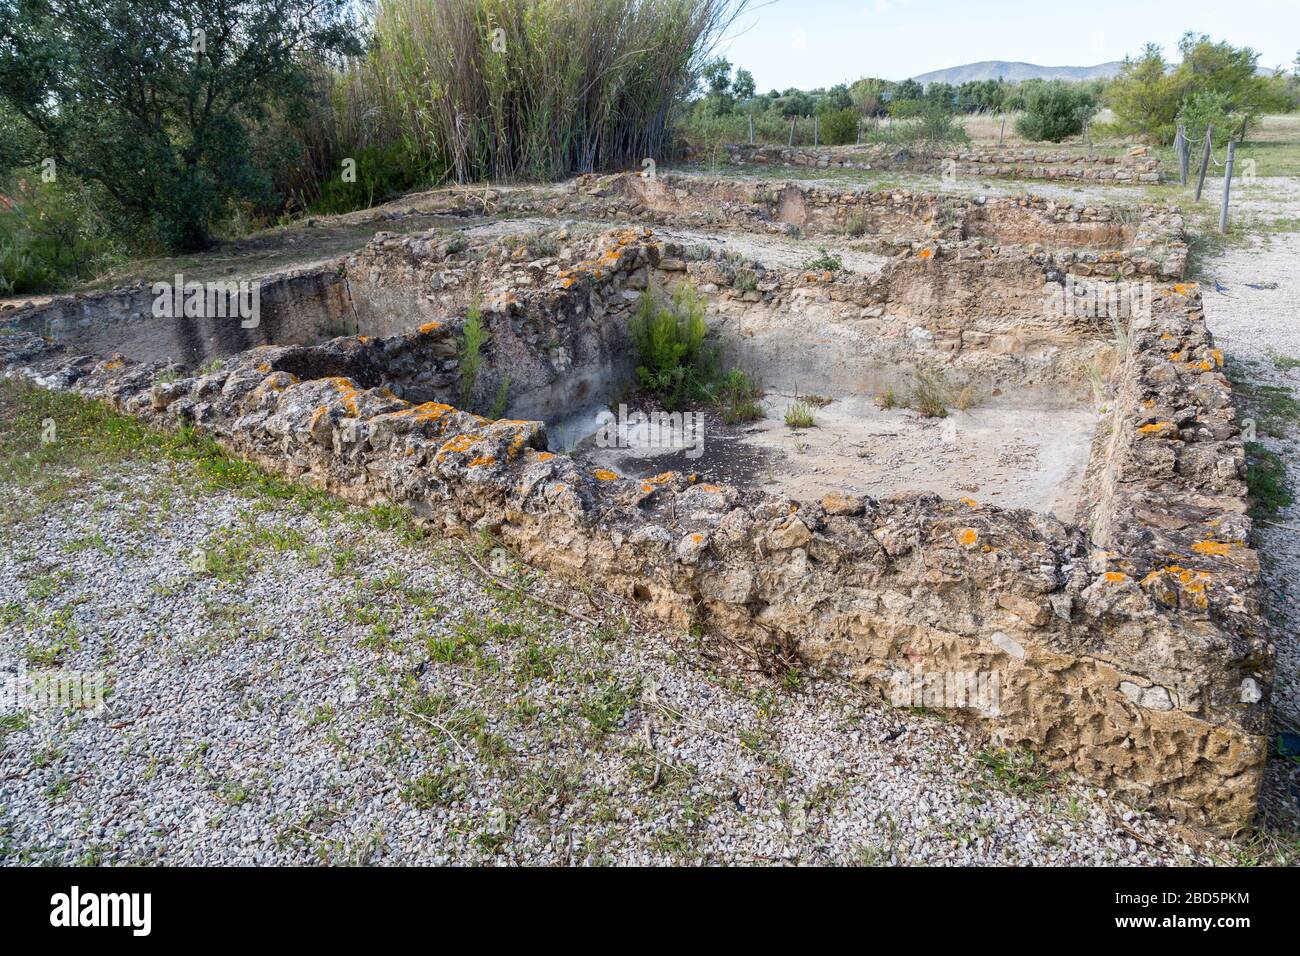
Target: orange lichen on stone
[[481, 461], [966, 537], [545, 456], [1217, 548], [1160, 429], [604, 474], [347, 390], [1218, 356], [926, 253], [969, 502], [456, 445], [315, 416], [1149, 403], [1115, 577], [712, 488], [430, 326], [430, 411]]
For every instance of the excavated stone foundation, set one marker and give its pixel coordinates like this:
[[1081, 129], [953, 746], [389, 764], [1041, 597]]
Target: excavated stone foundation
[[1077, 530]]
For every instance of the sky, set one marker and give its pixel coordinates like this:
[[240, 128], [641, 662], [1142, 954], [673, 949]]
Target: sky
[[815, 43]]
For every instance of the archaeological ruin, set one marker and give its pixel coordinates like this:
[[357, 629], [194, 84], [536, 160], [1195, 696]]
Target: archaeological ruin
[[1075, 523]]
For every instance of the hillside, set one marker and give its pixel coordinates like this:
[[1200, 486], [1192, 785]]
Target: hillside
[[1015, 72]]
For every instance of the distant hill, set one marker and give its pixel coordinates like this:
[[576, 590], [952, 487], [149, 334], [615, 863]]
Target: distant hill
[[1015, 72]]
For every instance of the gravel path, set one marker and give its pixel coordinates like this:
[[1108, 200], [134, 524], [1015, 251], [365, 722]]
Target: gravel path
[[330, 691], [1254, 313]]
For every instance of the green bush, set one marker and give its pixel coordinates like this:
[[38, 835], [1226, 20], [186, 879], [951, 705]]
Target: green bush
[[930, 125], [382, 173], [51, 236], [1054, 111], [673, 361], [839, 127], [1209, 109], [800, 415], [823, 262]]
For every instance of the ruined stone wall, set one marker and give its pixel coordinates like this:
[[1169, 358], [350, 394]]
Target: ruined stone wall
[[1010, 162], [399, 283], [1129, 648], [981, 310], [295, 307], [1149, 237]]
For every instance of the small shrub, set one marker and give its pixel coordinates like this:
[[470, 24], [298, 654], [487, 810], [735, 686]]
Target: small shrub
[[738, 398], [930, 395], [473, 337], [858, 224], [887, 399], [824, 262], [502, 399], [799, 415], [673, 361], [746, 280]]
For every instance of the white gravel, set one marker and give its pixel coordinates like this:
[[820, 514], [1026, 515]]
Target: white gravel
[[1253, 312], [271, 717]]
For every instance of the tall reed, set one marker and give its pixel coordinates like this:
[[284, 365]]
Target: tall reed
[[535, 89]]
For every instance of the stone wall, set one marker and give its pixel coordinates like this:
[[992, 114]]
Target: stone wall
[[1129, 648], [1012, 162], [295, 307], [398, 283]]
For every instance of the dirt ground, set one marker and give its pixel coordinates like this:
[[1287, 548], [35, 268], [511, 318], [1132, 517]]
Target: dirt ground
[[1011, 456]]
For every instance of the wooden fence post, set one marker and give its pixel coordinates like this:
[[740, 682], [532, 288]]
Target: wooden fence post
[[1002, 132], [816, 130], [1180, 150], [1227, 184], [793, 120], [751, 129], [1205, 161]]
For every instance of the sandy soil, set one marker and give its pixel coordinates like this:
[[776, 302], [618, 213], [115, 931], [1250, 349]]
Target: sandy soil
[[1010, 455]]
